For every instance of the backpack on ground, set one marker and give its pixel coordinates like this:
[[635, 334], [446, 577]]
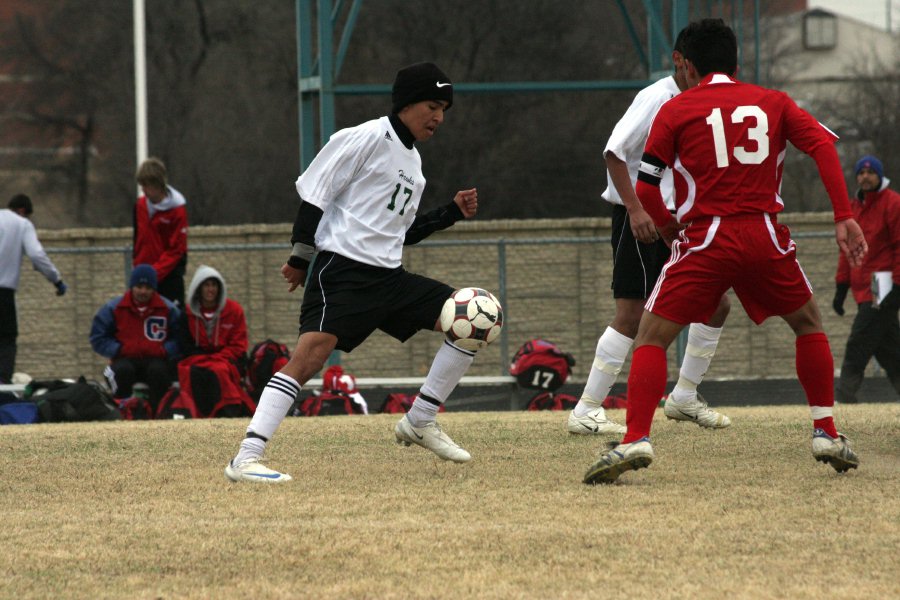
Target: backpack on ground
[[551, 401], [266, 358], [615, 401], [397, 403], [81, 400], [325, 403], [400, 403], [336, 381], [207, 389], [135, 408], [16, 411], [541, 365]]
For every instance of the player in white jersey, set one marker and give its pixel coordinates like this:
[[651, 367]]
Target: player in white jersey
[[638, 257], [359, 202]]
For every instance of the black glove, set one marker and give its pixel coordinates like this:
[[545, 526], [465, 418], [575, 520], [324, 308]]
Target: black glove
[[840, 294], [60, 288], [892, 300]]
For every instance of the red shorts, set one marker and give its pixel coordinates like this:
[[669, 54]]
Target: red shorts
[[751, 254]]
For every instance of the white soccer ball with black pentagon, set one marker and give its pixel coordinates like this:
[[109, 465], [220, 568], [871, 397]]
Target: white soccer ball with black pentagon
[[472, 318]]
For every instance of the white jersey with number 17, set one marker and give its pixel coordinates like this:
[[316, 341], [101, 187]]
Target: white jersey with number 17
[[368, 185]]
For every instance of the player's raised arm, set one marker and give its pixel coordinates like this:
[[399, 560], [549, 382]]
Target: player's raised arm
[[464, 206], [467, 201]]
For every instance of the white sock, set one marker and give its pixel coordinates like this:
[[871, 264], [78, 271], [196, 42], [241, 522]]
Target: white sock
[[277, 397], [701, 347], [251, 448], [422, 412], [450, 364], [612, 350]]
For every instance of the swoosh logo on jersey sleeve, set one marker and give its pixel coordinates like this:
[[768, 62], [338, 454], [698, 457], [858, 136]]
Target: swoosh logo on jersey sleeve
[[440, 85]]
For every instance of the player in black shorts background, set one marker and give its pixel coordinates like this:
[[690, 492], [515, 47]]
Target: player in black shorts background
[[639, 256]]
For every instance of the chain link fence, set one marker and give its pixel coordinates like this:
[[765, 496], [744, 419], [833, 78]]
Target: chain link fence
[[551, 286]]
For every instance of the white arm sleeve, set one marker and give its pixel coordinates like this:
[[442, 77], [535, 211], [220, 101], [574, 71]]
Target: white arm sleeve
[[39, 258]]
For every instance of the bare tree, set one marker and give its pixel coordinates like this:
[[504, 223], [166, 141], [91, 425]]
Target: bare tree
[[222, 86], [72, 80]]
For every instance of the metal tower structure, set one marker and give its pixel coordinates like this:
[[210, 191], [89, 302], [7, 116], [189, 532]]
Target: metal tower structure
[[319, 60]]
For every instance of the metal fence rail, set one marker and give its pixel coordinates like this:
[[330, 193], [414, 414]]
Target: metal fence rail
[[550, 287]]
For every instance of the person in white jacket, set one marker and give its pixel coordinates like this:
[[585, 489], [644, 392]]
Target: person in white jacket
[[17, 235]]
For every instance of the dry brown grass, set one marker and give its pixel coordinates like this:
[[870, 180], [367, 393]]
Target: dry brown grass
[[142, 510]]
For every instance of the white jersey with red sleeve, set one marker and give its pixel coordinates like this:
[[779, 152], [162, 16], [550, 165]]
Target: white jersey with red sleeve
[[726, 141]]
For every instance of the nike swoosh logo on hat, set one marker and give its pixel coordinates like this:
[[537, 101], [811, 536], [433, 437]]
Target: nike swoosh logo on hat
[[439, 84]]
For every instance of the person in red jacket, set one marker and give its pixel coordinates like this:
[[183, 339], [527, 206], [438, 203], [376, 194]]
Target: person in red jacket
[[138, 333], [160, 229], [215, 343], [876, 328]]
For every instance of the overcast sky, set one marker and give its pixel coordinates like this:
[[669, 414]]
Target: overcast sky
[[869, 11]]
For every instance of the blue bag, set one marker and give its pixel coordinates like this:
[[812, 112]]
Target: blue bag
[[14, 411]]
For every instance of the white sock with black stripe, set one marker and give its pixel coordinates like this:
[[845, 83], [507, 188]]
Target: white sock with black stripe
[[276, 399], [450, 364]]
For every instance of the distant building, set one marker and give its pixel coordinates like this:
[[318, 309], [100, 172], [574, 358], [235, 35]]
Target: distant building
[[814, 53]]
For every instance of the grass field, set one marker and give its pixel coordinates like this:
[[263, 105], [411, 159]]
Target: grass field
[[142, 510]]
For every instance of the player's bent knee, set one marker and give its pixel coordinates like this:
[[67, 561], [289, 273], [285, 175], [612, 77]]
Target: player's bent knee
[[313, 349]]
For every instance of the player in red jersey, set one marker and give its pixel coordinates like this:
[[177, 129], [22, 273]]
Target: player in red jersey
[[725, 141]]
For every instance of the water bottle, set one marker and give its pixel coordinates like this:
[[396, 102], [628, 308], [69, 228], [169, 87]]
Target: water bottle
[[141, 391]]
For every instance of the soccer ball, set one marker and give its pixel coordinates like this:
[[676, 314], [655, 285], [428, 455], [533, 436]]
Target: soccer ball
[[472, 318]]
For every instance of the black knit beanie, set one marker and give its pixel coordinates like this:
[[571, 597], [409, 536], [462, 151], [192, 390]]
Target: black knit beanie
[[418, 82]]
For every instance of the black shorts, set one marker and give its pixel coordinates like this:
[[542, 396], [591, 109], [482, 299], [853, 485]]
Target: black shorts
[[9, 326], [636, 266], [351, 299]]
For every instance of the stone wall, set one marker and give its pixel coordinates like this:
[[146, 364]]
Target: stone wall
[[555, 287]]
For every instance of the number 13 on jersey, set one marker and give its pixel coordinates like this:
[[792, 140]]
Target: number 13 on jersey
[[758, 133]]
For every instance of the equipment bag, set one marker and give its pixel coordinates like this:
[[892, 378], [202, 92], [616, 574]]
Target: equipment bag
[[207, 389], [15, 411], [551, 401], [325, 403], [399, 403], [135, 408], [266, 359], [541, 365], [79, 401]]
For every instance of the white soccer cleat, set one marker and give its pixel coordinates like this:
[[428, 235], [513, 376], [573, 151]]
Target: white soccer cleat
[[834, 451], [252, 470], [432, 438], [695, 411], [618, 459], [593, 423]]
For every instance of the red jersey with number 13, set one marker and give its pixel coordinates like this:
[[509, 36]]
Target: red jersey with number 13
[[725, 141]]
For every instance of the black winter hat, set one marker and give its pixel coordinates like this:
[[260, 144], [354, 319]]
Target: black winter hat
[[418, 82], [143, 274]]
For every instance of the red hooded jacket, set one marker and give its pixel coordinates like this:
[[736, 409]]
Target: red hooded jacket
[[161, 240], [878, 214]]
